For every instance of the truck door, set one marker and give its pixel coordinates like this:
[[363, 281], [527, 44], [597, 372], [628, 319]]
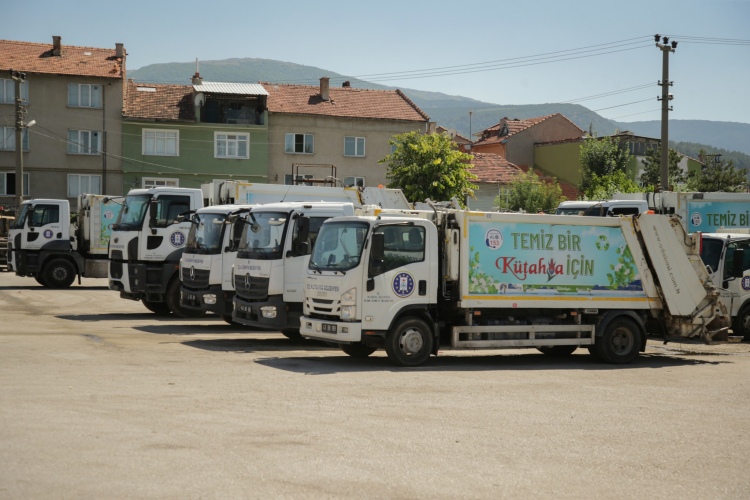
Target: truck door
[[739, 287], [401, 278], [43, 225], [295, 262], [165, 235]]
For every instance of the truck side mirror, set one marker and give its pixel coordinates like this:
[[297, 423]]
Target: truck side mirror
[[738, 268], [152, 210], [236, 236], [303, 234], [377, 256]]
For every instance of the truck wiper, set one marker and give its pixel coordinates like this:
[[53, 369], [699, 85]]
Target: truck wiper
[[315, 267]]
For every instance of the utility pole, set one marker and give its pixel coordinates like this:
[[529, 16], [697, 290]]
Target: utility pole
[[19, 78], [666, 48]]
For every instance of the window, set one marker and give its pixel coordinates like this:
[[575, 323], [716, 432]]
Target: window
[[300, 178], [354, 181], [84, 95], [299, 144], [83, 142], [84, 184], [152, 182], [168, 207], [161, 142], [402, 245], [354, 146], [231, 145], [8, 184], [8, 139], [8, 91], [44, 214]]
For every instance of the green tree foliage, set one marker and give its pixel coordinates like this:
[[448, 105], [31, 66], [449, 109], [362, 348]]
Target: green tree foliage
[[651, 176], [603, 187], [429, 166], [717, 175], [600, 159], [693, 150], [527, 192]]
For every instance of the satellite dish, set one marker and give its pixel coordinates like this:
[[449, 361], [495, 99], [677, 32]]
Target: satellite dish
[[199, 99]]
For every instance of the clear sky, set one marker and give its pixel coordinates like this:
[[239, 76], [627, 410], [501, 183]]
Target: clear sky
[[522, 52]]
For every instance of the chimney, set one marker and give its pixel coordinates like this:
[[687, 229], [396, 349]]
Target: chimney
[[197, 79], [346, 84], [56, 46], [324, 82], [119, 50]]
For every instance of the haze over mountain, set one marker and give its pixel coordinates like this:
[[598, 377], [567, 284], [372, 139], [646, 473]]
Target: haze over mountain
[[452, 112]]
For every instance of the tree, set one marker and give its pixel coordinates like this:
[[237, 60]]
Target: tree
[[429, 166], [717, 175], [599, 159], [527, 192], [602, 188], [651, 176]]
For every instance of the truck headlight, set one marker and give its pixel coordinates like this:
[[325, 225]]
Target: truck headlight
[[348, 312], [268, 311], [209, 299], [349, 297]]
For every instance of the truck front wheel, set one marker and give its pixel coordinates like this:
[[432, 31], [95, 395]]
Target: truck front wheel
[[160, 308], [409, 343], [59, 273], [173, 302], [620, 342], [741, 324]]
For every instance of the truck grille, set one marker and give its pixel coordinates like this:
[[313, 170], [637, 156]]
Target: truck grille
[[251, 288], [196, 279], [324, 308]]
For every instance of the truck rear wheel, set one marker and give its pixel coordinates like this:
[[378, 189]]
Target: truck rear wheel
[[160, 308], [173, 302], [620, 342], [40, 279], [741, 325], [358, 350], [409, 343], [59, 273], [558, 351]]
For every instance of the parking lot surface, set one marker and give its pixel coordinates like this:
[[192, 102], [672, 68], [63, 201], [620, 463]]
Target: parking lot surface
[[100, 398]]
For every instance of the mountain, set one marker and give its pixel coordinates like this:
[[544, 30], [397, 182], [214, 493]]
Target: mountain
[[449, 111]]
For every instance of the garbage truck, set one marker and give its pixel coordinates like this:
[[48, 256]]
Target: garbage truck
[[44, 244], [206, 271], [146, 246], [472, 280]]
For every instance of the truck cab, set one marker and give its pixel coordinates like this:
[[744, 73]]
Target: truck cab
[[147, 244], [271, 260], [603, 208], [207, 262]]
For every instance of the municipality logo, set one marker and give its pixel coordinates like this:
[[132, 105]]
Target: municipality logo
[[177, 239], [403, 284]]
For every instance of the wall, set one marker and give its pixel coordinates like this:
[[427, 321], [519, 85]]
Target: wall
[[519, 148], [329, 135], [196, 163], [48, 161], [560, 159]]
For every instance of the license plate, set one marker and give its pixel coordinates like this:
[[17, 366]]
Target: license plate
[[328, 328], [191, 297]]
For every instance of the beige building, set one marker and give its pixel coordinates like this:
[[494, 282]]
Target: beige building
[[318, 132], [74, 96]]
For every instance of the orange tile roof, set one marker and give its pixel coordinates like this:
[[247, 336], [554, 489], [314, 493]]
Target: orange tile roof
[[346, 102], [490, 167], [491, 135], [164, 102], [80, 61]]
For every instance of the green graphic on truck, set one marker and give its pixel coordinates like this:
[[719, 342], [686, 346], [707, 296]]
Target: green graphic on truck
[[546, 259]]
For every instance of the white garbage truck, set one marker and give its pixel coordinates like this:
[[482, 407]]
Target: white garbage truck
[[44, 244], [206, 270], [472, 280], [146, 245]]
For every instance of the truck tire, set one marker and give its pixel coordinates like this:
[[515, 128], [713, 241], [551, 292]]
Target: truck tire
[[358, 350], [409, 343], [59, 273], [291, 333], [558, 351], [173, 302], [619, 342], [741, 325], [40, 279], [159, 308]]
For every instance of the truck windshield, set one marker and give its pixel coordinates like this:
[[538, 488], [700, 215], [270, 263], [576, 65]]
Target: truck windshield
[[206, 234], [21, 217], [133, 211], [339, 246], [263, 236]]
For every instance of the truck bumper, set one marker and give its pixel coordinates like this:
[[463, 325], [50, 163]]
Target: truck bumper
[[142, 281], [273, 314], [336, 331], [213, 299]]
